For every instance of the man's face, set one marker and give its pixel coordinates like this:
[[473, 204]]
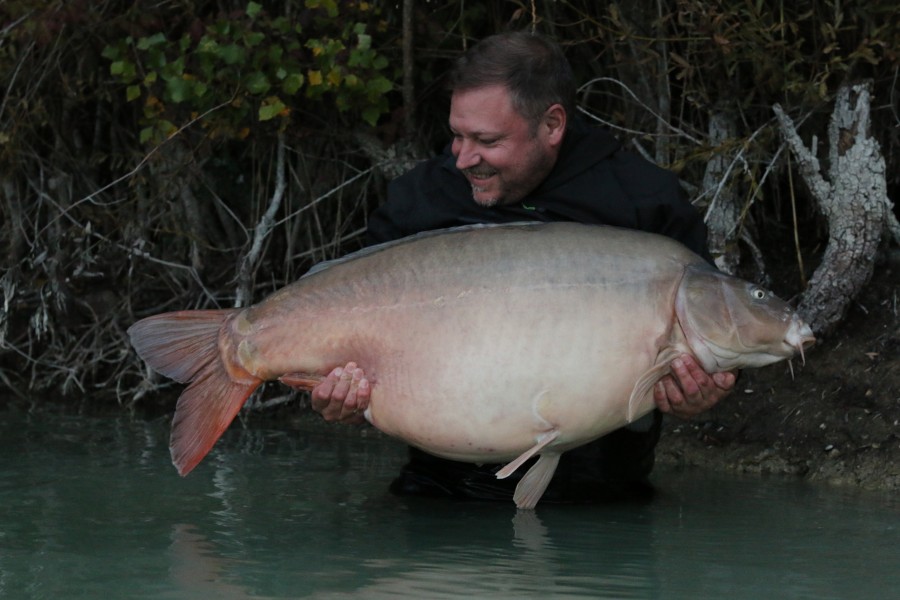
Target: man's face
[[498, 151]]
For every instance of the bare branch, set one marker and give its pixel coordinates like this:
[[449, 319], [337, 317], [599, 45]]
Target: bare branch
[[660, 119], [243, 293], [806, 157]]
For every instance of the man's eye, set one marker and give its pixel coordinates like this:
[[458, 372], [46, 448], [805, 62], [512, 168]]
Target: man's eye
[[487, 142]]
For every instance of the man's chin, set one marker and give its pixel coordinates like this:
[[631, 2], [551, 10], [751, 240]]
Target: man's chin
[[485, 197]]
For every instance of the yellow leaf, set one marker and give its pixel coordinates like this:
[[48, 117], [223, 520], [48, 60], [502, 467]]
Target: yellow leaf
[[314, 77], [334, 77]]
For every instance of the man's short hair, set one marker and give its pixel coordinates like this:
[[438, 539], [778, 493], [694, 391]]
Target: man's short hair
[[531, 66]]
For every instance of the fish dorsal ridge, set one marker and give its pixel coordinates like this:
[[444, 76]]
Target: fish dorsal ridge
[[327, 264]]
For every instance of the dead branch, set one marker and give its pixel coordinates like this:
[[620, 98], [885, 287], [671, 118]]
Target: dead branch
[[243, 294], [666, 125], [853, 200]]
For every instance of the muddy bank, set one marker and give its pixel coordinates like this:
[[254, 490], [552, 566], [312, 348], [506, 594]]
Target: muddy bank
[[837, 421]]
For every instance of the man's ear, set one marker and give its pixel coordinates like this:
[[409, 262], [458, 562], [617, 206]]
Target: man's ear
[[555, 124]]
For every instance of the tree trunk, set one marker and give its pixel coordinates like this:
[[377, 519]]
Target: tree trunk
[[723, 214], [853, 200], [409, 93]]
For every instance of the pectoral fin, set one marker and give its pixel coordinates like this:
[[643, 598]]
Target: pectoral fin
[[645, 382]]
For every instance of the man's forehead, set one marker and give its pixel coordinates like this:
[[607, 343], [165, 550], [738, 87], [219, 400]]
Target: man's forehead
[[482, 111], [476, 131]]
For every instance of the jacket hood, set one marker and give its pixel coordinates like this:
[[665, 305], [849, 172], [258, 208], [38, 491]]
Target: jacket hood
[[583, 147]]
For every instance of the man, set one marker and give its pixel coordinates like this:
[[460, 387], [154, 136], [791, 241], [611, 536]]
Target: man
[[520, 153]]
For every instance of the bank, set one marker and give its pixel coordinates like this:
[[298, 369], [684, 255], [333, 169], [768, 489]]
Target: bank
[[837, 420]]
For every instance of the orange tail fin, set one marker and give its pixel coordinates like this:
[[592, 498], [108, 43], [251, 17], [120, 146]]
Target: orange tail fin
[[184, 346]]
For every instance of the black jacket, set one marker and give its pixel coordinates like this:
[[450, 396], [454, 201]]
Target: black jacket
[[594, 182]]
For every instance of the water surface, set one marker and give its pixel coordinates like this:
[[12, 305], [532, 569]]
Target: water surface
[[92, 508]]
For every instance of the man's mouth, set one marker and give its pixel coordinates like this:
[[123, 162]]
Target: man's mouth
[[479, 176]]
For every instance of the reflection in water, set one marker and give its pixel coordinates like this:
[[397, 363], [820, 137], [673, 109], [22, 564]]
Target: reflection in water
[[197, 570], [91, 508]]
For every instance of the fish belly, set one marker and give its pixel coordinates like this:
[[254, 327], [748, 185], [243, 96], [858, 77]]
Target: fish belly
[[487, 383]]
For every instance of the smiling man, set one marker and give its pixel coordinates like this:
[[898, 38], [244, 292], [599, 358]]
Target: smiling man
[[521, 153], [503, 156]]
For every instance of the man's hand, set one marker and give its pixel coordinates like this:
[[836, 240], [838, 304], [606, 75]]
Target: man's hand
[[690, 390], [343, 395]]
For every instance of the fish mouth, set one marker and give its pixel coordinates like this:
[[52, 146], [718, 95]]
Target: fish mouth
[[799, 336]]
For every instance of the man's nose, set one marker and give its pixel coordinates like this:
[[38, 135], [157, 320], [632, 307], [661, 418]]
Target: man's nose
[[466, 154]]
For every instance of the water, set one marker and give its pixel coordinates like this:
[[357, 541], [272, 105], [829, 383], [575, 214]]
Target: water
[[91, 508]]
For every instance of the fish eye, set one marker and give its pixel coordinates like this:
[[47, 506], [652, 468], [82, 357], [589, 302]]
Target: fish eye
[[758, 294]]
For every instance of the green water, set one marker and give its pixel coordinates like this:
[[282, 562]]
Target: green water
[[91, 508]]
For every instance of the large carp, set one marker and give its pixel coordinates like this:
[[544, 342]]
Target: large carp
[[482, 344]]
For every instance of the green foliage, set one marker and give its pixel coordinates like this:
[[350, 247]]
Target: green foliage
[[261, 67]]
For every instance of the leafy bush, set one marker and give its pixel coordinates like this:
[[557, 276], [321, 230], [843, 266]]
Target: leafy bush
[[241, 68]]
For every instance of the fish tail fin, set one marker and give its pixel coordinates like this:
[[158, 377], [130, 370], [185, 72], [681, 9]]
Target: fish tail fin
[[184, 346], [205, 410]]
